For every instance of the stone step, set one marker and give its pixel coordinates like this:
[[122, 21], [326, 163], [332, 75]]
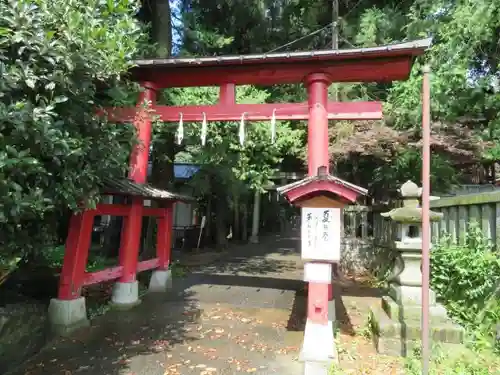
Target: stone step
[[398, 337], [400, 312]]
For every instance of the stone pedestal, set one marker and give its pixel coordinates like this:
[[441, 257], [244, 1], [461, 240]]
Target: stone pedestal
[[161, 281], [125, 295], [396, 327], [396, 322], [66, 316]]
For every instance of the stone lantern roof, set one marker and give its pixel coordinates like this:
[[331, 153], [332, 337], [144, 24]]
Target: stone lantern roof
[[411, 210]]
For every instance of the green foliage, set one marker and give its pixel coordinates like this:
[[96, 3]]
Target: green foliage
[[466, 277], [178, 271], [464, 59], [456, 361], [223, 158], [54, 150], [408, 166], [53, 257]]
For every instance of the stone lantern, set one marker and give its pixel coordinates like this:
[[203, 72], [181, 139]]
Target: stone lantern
[[396, 323]]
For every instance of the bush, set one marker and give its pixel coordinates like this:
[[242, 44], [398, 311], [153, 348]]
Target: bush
[[54, 150], [456, 361], [53, 257], [466, 278]]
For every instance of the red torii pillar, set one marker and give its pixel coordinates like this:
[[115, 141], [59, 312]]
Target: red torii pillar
[[161, 279], [317, 127], [126, 290]]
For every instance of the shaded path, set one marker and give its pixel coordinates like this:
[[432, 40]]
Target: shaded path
[[228, 318]]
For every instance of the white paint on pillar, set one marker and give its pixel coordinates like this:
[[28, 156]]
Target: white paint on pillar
[[254, 238]]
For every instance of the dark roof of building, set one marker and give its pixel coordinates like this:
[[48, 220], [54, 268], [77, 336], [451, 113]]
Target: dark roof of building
[[130, 188], [415, 47]]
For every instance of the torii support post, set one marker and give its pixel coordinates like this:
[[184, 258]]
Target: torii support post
[[126, 290], [67, 312], [161, 279]]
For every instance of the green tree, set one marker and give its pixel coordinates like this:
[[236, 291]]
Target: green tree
[[55, 57], [229, 171]]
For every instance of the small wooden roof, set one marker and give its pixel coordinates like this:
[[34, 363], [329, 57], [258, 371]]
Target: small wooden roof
[[374, 64], [322, 183], [130, 188]]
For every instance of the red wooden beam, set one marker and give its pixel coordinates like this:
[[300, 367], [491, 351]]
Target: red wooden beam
[[364, 69], [113, 273], [112, 209], [253, 112], [107, 274], [148, 264]]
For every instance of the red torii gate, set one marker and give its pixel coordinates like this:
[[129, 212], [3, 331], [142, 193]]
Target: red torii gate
[[316, 69]]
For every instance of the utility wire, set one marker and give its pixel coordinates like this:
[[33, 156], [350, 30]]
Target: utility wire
[[352, 9], [301, 38], [346, 41]]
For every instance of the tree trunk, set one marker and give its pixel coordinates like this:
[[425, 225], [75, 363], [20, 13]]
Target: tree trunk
[[236, 216], [220, 222], [244, 226], [208, 224], [162, 27], [162, 175]]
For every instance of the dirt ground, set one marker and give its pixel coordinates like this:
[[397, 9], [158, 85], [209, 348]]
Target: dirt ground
[[243, 314]]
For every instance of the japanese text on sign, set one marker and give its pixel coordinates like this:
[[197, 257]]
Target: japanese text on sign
[[321, 233]]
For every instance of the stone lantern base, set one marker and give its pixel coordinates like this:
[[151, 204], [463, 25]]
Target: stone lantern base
[[396, 323]]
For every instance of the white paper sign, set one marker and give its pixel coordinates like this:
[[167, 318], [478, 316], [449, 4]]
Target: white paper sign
[[320, 234]]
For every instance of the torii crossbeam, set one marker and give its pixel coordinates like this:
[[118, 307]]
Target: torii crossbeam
[[251, 112]]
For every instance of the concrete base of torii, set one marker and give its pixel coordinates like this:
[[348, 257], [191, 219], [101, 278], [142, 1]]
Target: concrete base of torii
[[161, 281], [125, 295], [66, 316]]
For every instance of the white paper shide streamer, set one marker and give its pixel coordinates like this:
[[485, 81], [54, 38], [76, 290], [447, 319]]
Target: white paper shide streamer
[[204, 130], [242, 129], [273, 127], [180, 131]]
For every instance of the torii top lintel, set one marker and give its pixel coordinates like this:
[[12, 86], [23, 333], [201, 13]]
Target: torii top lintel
[[374, 64]]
